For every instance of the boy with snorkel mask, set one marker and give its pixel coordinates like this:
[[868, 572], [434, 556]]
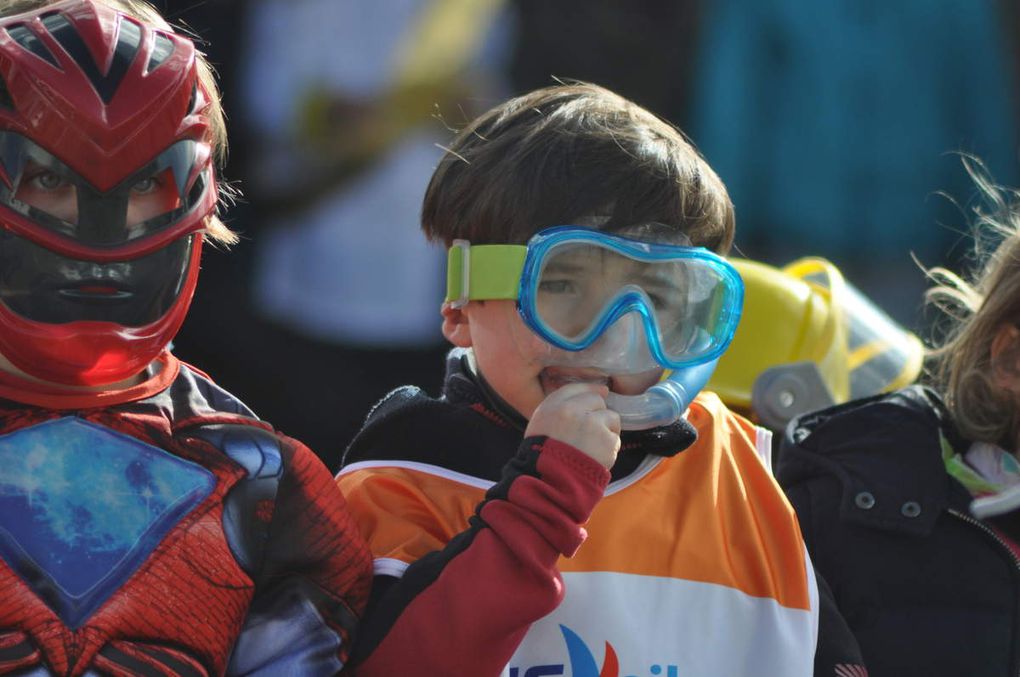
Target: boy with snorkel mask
[[588, 302]]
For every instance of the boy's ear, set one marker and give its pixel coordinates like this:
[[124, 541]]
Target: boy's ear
[[1005, 358], [456, 325]]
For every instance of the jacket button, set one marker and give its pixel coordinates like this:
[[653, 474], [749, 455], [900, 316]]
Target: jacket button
[[910, 509], [864, 500]]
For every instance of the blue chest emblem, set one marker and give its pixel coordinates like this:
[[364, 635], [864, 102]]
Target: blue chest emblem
[[82, 506]]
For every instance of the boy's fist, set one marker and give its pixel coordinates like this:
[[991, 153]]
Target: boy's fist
[[576, 414]]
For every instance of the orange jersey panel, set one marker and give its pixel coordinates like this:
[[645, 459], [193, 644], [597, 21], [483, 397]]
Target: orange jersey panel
[[711, 514]]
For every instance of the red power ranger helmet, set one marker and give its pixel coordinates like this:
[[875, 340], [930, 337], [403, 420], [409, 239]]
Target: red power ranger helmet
[[106, 179]]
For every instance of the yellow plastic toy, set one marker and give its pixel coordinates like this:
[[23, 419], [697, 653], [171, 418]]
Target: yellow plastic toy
[[808, 339]]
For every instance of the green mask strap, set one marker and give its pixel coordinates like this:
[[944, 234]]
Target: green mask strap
[[484, 272]]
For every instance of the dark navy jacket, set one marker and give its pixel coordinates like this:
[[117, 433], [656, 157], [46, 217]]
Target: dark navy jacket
[[927, 589]]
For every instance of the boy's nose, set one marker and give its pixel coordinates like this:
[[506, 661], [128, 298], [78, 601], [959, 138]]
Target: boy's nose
[[624, 344]]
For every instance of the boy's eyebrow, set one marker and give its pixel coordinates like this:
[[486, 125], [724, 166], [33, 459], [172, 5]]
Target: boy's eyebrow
[[655, 276], [560, 266], [660, 278]]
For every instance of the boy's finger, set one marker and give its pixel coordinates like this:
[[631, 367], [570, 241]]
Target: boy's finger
[[612, 420], [608, 418], [574, 389]]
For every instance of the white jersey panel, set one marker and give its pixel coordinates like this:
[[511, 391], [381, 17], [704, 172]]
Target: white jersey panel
[[661, 627]]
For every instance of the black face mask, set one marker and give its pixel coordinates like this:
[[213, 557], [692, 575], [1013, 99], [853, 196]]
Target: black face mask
[[43, 286]]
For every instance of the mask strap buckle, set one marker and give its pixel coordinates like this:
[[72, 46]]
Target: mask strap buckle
[[462, 269]]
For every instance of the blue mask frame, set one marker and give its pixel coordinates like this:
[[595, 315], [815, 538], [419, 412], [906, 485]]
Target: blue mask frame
[[630, 300]]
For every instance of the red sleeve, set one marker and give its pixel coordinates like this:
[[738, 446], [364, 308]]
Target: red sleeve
[[464, 608]]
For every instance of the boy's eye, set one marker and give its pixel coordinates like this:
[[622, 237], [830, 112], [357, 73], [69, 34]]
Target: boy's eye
[[557, 286], [669, 303], [145, 186], [47, 180]]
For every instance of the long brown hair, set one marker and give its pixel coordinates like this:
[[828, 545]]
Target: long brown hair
[[976, 309]]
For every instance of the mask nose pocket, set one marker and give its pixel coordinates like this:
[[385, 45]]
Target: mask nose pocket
[[624, 344]]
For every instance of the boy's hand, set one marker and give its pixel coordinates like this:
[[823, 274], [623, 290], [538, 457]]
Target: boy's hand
[[576, 414]]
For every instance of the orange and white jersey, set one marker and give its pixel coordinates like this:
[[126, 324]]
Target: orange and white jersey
[[693, 565]]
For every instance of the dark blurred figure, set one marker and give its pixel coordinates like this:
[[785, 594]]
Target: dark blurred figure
[[222, 317], [336, 294], [834, 125], [641, 49]]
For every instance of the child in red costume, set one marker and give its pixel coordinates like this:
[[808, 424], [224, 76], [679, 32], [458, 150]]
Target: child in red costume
[[149, 522]]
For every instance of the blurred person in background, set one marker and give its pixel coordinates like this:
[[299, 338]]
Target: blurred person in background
[[834, 125], [341, 106]]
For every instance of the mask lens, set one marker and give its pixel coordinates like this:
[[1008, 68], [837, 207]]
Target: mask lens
[[48, 191], [56, 199], [572, 290], [152, 196], [704, 320], [584, 287]]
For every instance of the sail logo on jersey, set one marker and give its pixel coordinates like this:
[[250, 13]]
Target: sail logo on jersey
[[583, 664]]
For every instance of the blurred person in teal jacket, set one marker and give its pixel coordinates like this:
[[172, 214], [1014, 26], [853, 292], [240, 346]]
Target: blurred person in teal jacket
[[834, 125]]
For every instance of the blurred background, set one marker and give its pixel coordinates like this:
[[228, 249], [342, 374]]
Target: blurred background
[[836, 125]]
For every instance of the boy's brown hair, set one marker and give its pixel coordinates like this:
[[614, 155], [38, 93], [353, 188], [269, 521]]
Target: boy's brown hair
[[143, 11], [570, 153]]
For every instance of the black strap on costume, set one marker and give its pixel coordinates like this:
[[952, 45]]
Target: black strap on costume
[[258, 452]]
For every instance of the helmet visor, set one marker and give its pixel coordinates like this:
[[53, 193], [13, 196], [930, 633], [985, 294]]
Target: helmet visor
[[874, 352], [577, 283], [54, 206]]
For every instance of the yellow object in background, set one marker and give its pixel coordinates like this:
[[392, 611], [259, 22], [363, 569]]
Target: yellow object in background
[[432, 73], [808, 339]]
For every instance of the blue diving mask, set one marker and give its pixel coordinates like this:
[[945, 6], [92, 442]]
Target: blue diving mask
[[613, 303]]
